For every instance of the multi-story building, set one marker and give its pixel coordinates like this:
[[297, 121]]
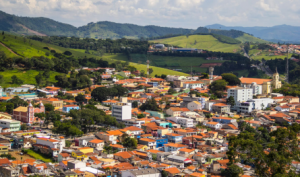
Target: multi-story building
[[52, 143], [184, 122], [122, 110], [12, 125], [221, 108], [3, 149], [254, 104], [193, 84], [26, 114], [58, 104], [240, 95]]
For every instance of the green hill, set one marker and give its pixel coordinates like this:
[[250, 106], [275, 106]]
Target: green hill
[[205, 42], [24, 47], [249, 38]]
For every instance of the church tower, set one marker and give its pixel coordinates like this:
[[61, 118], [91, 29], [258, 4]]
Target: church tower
[[276, 83]]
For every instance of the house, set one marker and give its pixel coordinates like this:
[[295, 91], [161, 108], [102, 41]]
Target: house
[[77, 165], [12, 125], [174, 138], [96, 144], [78, 155], [68, 108], [122, 156], [173, 147], [182, 121], [3, 149], [193, 84], [214, 125], [185, 152], [173, 111], [58, 104], [173, 171], [52, 143], [148, 172], [284, 108], [75, 93], [134, 130], [26, 114], [194, 105], [160, 142], [106, 76], [221, 108], [151, 143], [223, 120]]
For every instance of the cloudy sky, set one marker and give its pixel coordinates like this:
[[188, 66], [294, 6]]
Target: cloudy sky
[[171, 13]]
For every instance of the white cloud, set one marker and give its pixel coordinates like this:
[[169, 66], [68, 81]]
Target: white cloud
[[173, 13]]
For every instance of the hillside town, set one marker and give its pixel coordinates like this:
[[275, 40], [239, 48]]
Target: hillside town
[[164, 126]]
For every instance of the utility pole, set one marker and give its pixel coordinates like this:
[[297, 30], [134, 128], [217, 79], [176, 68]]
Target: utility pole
[[148, 68], [287, 64]]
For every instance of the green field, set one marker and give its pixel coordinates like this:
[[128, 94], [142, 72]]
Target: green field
[[266, 55], [249, 38], [171, 62], [205, 42], [30, 48], [6, 51], [27, 76], [38, 156]]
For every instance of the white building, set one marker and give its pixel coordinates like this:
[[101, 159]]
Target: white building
[[149, 172], [240, 95], [122, 110], [12, 125], [77, 165], [52, 143], [257, 89], [193, 84], [254, 104], [214, 125], [183, 122]]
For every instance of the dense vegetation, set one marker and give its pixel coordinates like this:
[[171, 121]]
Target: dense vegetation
[[226, 39], [101, 45], [270, 153]]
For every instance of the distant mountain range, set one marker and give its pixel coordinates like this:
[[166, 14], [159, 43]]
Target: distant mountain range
[[280, 33], [48, 27]]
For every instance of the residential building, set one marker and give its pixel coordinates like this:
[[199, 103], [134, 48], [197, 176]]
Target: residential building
[[220, 108], [26, 114], [3, 149], [182, 121], [52, 143], [173, 147], [214, 125], [194, 105], [96, 144], [58, 104], [12, 125], [254, 104], [151, 143], [68, 108], [193, 84], [174, 138], [122, 110], [240, 95], [148, 172]]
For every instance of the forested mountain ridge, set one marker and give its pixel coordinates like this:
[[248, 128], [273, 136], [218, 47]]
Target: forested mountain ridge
[[101, 30]]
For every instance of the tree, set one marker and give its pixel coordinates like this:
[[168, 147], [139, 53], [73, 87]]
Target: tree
[[171, 91], [141, 116], [231, 79], [150, 71], [150, 105], [49, 107], [24, 127], [135, 104], [217, 87], [232, 171], [262, 106], [204, 76], [130, 142], [68, 143], [9, 108], [42, 95], [164, 173], [67, 53], [80, 98], [16, 80], [230, 101], [163, 76]]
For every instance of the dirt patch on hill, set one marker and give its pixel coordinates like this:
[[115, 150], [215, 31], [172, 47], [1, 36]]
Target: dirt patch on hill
[[32, 31]]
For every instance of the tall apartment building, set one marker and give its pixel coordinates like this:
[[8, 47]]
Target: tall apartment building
[[240, 95], [122, 110]]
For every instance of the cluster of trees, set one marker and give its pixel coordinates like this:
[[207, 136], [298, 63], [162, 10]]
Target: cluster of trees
[[217, 87], [226, 39], [10, 105], [151, 105], [76, 80], [270, 153], [102, 93], [289, 89], [100, 45]]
